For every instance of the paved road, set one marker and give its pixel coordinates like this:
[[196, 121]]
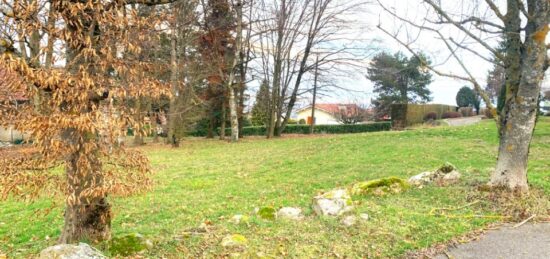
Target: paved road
[[530, 241], [463, 121]]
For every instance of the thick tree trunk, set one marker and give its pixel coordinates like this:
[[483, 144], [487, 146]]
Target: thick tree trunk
[[88, 216], [233, 114], [525, 69]]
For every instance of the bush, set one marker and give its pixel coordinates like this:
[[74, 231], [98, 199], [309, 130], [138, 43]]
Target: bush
[[488, 114], [430, 116], [302, 122], [466, 111], [451, 115]]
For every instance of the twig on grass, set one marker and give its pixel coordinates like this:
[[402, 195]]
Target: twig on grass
[[525, 221]]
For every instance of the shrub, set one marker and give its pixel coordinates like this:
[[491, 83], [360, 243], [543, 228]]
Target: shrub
[[430, 116], [302, 122], [450, 115], [466, 111], [488, 114]]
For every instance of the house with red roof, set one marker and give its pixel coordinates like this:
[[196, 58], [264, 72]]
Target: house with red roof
[[329, 113]]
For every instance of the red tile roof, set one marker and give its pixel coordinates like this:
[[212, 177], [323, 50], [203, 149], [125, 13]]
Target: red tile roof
[[335, 108], [9, 81]]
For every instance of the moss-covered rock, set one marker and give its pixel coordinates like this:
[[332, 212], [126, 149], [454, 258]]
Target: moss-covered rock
[[128, 244], [380, 186], [233, 241], [267, 213], [333, 203]]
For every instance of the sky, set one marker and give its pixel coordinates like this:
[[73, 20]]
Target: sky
[[443, 89]]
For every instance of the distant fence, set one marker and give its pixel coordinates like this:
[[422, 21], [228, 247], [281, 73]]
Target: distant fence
[[404, 115], [304, 129]]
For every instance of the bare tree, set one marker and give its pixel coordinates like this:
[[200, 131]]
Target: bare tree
[[351, 114], [524, 27], [288, 32]]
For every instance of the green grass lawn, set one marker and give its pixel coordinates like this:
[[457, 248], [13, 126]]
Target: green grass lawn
[[208, 180]]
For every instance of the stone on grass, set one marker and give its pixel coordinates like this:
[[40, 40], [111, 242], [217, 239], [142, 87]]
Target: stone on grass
[[364, 216], [380, 187], [267, 213], [349, 221], [333, 203], [290, 213], [238, 219], [129, 244], [66, 251], [234, 241], [446, 174]]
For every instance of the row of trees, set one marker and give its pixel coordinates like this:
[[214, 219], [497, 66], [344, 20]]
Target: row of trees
[[92, 69]]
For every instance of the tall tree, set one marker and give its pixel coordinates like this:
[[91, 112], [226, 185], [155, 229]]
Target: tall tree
[[260, 110], [524, 27], [85, 117], [399, 79]]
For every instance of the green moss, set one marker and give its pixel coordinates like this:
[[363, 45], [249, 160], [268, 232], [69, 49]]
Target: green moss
[[446, 168], [267, 213], [127, 245], [380, 186]]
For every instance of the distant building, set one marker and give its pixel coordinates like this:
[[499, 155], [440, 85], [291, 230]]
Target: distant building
[[12, 98], [545, 107], [328, 113]]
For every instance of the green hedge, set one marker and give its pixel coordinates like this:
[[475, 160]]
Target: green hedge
[[304, 129]]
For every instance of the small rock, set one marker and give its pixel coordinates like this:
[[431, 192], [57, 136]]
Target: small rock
[[349, 221], [451, 177], [364, 216], [238, 219], [422, 178], [333, 203], [129, 244], [233, 241], [290, 213], [80, 251]]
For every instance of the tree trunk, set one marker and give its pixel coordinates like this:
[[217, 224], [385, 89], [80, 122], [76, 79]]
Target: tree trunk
[[138, 136], [223, 117], [519, 115], [233, 114], [87, 217], [171, 138]]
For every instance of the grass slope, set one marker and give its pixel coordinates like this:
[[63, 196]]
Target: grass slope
[[211, 181]]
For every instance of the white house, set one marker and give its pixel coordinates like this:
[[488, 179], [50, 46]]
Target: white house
[[327, 113]]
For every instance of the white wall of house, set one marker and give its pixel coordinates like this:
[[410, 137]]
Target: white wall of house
[[10, 135], [321, 117]]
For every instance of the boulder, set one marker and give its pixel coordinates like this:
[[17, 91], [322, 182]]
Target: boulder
[[66, 251], [129, 244], [446, 174], [290, 213], [234, 241], [380, 186], [333, 203], [349, 221]]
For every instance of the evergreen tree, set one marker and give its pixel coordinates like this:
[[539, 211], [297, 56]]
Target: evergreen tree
[[399, 79], [260, 111]]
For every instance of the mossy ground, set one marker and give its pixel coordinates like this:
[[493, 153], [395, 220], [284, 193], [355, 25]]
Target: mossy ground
[[210, 181]]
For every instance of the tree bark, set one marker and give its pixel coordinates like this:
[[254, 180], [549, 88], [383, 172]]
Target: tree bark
[[223, 117], [519, 115], [171, 138], [87, 217]]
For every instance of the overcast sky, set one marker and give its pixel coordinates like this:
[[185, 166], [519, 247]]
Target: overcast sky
[[443, 89]]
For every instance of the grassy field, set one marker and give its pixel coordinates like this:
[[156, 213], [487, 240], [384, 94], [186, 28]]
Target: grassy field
[[210, 181]]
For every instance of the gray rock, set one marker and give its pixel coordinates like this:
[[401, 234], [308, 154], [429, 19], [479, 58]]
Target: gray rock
[[364, 216], [422, 178], [333, 203], [452, 177], [290, 213], [80, 251], [349, 221]]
